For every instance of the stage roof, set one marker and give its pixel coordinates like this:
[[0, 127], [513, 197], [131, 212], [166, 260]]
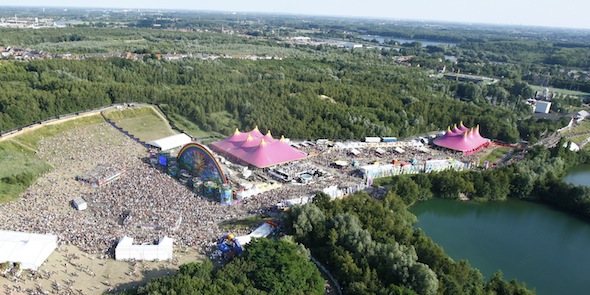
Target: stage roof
[[257, 149], [171, 142], [461, 138], [31, 250]]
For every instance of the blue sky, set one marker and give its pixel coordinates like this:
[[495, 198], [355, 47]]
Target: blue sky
[[562, 13]]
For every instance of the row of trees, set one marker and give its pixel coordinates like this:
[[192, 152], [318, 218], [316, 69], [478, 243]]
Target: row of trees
[[539, 177], [371, 247], [369, 96], [266, 267]]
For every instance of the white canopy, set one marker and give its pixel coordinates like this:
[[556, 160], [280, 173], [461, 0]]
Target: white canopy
[[31, 250], [79, 203], [171, 142], [261, 232], [126, 250]]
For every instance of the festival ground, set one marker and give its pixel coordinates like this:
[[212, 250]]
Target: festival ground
[[71, 271]]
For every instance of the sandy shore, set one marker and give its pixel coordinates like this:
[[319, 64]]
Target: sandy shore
[[71, 271]]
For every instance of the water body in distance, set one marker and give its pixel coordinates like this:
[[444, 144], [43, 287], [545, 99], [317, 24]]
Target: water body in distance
[[579, 175], [529, 242], [425, 43]]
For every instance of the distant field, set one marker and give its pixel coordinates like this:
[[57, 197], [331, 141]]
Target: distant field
[[143, 122], [561, 91], [496, 154], [189, 127], [31, 138], [582, 128], [19, 167]]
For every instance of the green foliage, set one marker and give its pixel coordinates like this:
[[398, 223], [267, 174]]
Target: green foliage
[[19, 168], [371, 247], [498, 285], [267, 267]]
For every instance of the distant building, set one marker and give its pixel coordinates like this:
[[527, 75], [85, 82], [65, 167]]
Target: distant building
[[543, 107], [470, 78], [350, 45]]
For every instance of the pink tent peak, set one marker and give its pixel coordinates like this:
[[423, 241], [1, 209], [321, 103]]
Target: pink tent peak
[[256, 149], [466, 140]]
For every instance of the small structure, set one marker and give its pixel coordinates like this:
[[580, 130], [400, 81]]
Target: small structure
[[30, 249], [126, 250], [262, 231], [171, 142], [543, 107], [100, 175], [79, 203]]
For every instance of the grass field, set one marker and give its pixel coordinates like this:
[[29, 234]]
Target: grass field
[[143, 122], [561, 91], [189, 127], [496, 154], [19, 167], [582, 128], [31, 138]]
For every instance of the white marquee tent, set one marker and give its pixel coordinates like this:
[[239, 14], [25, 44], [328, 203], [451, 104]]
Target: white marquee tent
[[31, 250], [261, 232], [171, 142], [79, 203], [126, 250]]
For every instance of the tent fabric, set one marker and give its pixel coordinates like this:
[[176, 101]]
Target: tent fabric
[[257, 149], [126, 250], [461, 139], [79, 203], [261, 232], [30, 249], [171, 142]]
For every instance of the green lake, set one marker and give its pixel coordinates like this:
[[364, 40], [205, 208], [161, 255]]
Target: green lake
[[545, 248]]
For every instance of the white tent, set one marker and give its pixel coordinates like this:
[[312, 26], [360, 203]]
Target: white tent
[[261, 232], [171, 142], [31, 250], [79, 203], [126, 250], [399, 150]]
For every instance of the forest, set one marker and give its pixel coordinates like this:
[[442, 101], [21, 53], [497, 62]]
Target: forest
[[308, 91], [268, 267]]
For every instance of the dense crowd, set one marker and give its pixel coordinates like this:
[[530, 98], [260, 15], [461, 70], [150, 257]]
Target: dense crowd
[[144, 203]]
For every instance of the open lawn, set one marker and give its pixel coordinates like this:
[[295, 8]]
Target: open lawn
[[222, 119], [19, 167], [143, 122], [561, 91], [189, 127], [496, 154], [32, 137], [584, 127]]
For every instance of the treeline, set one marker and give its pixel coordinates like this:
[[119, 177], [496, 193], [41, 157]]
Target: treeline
[[266, 267], [539, 177], [371, 247], [353, 96]]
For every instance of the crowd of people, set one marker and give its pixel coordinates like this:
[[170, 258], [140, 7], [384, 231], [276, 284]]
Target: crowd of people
[[144, 203]]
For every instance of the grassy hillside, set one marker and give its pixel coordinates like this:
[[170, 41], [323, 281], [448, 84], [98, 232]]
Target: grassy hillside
[[19, 168], [143, 122]]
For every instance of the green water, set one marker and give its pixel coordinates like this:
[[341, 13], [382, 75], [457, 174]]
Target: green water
[[545, 248], [579, 175]]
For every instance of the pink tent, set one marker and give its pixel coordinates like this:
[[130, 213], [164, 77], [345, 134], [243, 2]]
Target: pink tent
[[462, 139], [257, 149]]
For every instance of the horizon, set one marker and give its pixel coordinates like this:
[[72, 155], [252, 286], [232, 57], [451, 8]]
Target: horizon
[[522, 13]]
